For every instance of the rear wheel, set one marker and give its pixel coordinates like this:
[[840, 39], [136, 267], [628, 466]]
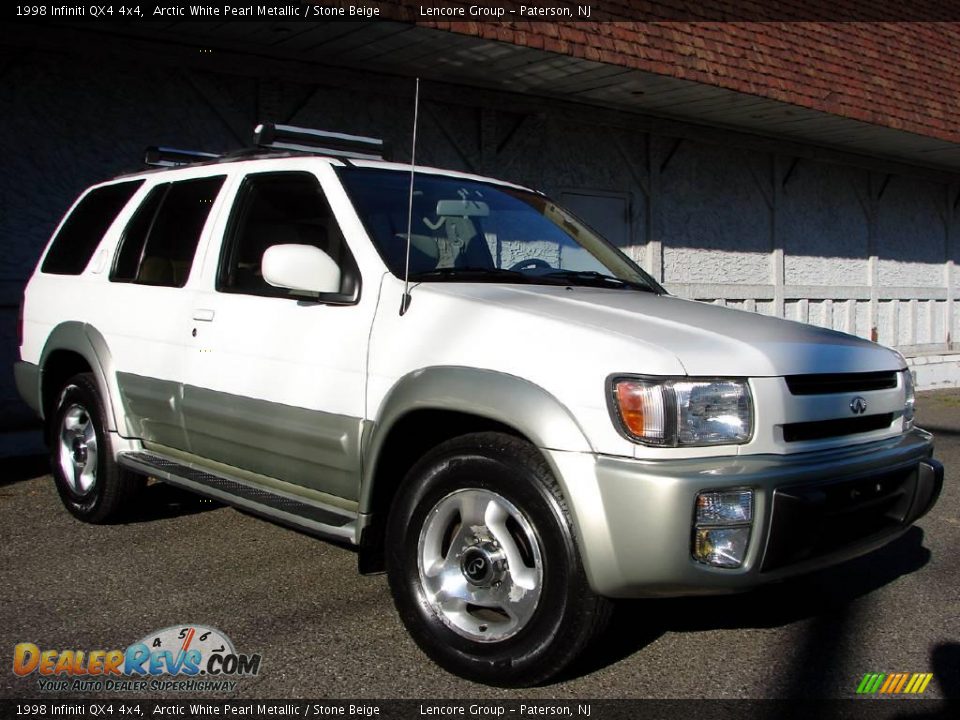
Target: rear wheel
[[90, 483], [483, 565]]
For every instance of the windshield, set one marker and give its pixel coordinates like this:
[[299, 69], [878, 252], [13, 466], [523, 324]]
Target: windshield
[[468, 231]]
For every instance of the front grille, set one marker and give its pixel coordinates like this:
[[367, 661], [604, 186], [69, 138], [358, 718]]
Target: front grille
[[822, 429], [829, 383], [809, 521]]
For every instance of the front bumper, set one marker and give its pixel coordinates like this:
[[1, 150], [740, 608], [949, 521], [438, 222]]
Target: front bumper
[[634, 518]]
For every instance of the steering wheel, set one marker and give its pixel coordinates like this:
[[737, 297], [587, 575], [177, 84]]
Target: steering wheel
[[531, 264]]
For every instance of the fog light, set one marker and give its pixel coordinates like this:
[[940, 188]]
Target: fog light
[[721, 530], [721, 547], [725, 508]]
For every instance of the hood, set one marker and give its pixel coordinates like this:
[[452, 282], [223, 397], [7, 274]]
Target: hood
[[705, 339]]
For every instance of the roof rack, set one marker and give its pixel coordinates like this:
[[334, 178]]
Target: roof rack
[[272, 139], [172, 157], [321, 142]]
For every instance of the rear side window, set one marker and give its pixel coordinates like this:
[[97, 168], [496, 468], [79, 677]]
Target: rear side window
[[161, 238], [79, 236]]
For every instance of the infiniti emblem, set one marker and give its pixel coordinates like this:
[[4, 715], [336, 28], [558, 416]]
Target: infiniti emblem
[[476, 568], [858, 406]]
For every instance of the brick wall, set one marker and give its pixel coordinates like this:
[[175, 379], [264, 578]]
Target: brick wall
[[903, 75]]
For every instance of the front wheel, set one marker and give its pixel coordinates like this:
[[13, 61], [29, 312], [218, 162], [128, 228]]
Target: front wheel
[[90, 483], [483, 565]]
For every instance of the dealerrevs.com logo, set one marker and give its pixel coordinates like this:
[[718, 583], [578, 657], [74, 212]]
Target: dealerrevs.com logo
[[186, 658]]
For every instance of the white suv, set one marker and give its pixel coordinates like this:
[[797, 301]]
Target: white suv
[[536, 428]]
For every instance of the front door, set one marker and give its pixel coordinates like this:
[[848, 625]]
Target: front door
[[276, 385]]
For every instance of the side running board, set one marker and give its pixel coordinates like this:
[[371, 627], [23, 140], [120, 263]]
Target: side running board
[[277, 505]]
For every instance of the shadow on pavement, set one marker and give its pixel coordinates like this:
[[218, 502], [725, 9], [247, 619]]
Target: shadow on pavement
[[945, 666], [823, 597], [160, 501], [24, 467], [945, 662]]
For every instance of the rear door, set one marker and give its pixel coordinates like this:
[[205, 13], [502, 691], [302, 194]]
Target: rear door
[[148, 323]]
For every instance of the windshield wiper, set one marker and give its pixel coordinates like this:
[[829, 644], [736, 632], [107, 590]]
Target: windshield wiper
[[480, 274], [597, 279]]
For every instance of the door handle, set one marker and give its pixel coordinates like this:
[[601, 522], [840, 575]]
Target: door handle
[[203, 315]]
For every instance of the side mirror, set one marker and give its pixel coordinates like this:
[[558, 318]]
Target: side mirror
[[300, 267]]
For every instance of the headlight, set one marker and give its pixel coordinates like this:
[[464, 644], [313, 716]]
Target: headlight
[[678, 411], [910, 400]]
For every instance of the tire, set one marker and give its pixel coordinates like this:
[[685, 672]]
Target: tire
[[90, 483], [483, 565]]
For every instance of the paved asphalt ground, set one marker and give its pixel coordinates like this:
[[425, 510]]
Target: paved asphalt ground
[[325, 631]]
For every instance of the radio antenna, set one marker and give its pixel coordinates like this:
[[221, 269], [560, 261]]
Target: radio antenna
[[405, 300]]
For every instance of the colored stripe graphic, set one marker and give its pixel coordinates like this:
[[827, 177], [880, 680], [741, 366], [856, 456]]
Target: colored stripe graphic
[[890, 682], [919, 682], [894, 683], [870, 683]]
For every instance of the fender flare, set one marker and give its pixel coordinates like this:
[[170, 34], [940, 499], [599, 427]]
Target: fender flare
[[510, 400], [86, 341]]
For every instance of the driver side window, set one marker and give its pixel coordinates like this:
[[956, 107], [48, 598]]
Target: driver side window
[[280, 208]]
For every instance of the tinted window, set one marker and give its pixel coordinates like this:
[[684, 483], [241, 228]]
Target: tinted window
[[278, 209], [161, 239], [135, 235], [73, 246]]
